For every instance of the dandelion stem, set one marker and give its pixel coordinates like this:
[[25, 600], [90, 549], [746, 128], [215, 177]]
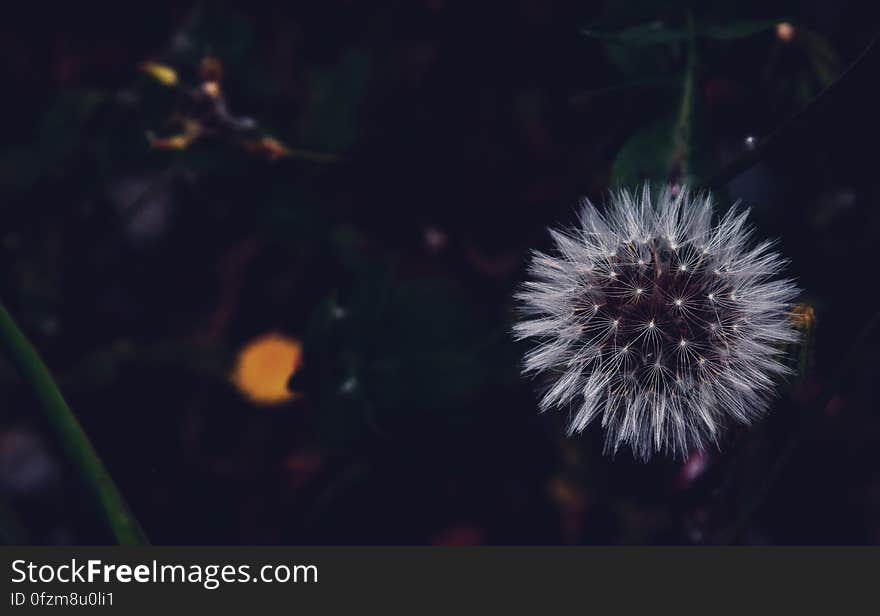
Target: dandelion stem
[[67, 428], [684, 124]]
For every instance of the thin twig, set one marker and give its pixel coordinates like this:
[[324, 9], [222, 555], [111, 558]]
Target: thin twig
[[798, 121], [730, 534]]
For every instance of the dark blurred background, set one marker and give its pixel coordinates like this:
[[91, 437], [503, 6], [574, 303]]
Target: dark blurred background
[[363, 181]]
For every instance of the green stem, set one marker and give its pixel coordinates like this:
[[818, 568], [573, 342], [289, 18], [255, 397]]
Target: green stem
[[684, 124], [68, 430]]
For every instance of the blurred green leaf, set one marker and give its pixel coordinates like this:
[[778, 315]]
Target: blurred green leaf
[[824, 60], [61, 128], [58, 138], [104, 366], [653, 154], [646, 155], [393, 357], [676, 147], [738, 29], [652, 33], [294, 214], [623, 88], [330, 122], [20, 167], [657, 33], [639, 63], [225, 33]]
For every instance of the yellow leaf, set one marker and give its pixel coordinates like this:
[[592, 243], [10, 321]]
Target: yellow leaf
[[165, 75], [191, 131], [269, 146], [175, 142]]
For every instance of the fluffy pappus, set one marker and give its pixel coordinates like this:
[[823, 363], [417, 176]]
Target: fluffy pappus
[[662, 324]]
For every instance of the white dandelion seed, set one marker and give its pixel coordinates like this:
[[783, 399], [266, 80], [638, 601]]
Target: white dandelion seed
[[662, 325]]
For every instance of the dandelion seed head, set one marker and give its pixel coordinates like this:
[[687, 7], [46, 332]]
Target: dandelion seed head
[[666, 339]]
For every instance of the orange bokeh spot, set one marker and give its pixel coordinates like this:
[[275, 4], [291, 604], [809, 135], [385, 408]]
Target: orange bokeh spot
[[785, 31], [264, 366]]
